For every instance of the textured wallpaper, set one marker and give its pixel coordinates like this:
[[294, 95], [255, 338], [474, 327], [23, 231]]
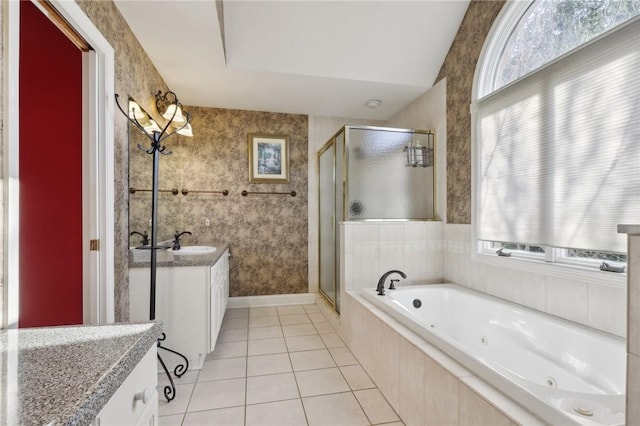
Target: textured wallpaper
[[135, 75], [268, 234], [458, 68]]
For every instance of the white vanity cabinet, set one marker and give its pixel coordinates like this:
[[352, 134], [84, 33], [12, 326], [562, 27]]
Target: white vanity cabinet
[[218, 297], [136, 400], [190, 302]]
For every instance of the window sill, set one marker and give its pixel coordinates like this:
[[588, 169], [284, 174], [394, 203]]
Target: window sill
[[559, 270]]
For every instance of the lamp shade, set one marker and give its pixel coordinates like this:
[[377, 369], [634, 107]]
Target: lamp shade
[[185, 131], [171, 110], [135, 112], [152, 127]]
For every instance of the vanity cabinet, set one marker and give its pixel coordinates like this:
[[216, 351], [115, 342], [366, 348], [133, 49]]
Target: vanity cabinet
[[190, 302], [218, 298], [136, 400]]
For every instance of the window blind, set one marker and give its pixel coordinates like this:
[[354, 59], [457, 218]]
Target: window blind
[[558, 151]]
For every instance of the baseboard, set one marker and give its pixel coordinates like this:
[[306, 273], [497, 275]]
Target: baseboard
[[271, 300]]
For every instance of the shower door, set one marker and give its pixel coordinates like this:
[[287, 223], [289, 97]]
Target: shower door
[[327, 205], [331, 205]]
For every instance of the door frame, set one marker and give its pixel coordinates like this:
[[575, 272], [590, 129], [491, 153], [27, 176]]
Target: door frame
[[98, 165]]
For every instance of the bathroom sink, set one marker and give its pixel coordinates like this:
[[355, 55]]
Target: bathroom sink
[[193, 250]]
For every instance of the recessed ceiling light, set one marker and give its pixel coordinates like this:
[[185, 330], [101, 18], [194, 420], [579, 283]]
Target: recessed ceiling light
[[373, 103]]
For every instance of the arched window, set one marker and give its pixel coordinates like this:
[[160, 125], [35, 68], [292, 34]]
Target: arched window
[[530, 34], [556, 130]]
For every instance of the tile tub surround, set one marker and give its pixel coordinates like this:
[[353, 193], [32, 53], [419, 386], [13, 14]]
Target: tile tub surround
[[421, 383], [278, 365], [67, 374], [591, 303], [370, 249]]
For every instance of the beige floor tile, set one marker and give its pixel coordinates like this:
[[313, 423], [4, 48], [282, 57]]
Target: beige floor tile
[[263, 311], [179, 404], [291, 310], [275, 387], [265, 332], [173, 420], [236, 313], [269, 321], [235, 323], [357, 377], [323, 327], [341, 409], [332, 340], [294, 319], [343, 356], [266, 346], [281, 413], [392, 424], [376, 406], [234, 335], [311, 309], [304, 343], [217, 394], [317, 317], [299, 330], [226, 368], [233, 416], [320, 382], [190, 376], [229, 350], [268, 364], [310, 360]]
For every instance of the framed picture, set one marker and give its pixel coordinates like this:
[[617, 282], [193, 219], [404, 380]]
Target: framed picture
[[268, 158]]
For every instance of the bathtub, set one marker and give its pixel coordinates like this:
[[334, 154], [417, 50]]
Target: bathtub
[[562, 372]]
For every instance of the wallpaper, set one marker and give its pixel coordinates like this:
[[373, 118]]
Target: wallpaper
[[268, 234], [458, 68], [135, 75]]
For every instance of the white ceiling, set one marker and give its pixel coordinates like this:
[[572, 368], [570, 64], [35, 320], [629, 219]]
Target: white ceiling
[[306, 57]]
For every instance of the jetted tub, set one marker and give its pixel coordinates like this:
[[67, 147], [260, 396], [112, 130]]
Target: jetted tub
[[564, 373]]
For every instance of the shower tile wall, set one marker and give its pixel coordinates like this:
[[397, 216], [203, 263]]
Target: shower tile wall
[[267, 233]]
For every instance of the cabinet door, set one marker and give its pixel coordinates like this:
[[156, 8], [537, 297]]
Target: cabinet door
[[181, 305], [149, 416], [136, 398], [218, 296]]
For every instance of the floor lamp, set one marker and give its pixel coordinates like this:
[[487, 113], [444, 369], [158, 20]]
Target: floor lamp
[[177, 122]]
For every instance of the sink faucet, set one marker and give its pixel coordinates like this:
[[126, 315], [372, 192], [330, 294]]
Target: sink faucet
[[380, 288], [145, 237], [176, 239]]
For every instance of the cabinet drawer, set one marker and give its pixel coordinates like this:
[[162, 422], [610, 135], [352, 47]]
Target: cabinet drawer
[[134, 396]]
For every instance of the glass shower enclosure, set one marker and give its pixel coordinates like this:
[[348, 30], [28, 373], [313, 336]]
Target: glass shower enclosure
[[371, 173]]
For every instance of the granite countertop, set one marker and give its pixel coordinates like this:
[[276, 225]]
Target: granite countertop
[[66, 375], [166, 258]]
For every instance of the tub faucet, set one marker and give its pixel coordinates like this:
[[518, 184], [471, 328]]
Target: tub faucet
[[145, 237], [176, 239], [380, 288]]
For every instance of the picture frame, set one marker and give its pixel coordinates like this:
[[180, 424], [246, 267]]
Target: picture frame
[[268, 158]]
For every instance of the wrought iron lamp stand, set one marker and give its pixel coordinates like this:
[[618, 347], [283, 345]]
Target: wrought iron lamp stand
[[156, 149]]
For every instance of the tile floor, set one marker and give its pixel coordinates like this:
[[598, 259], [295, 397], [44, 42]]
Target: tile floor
[[277, 366]]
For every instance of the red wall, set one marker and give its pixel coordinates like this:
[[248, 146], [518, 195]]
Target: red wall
[[50, 173]]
